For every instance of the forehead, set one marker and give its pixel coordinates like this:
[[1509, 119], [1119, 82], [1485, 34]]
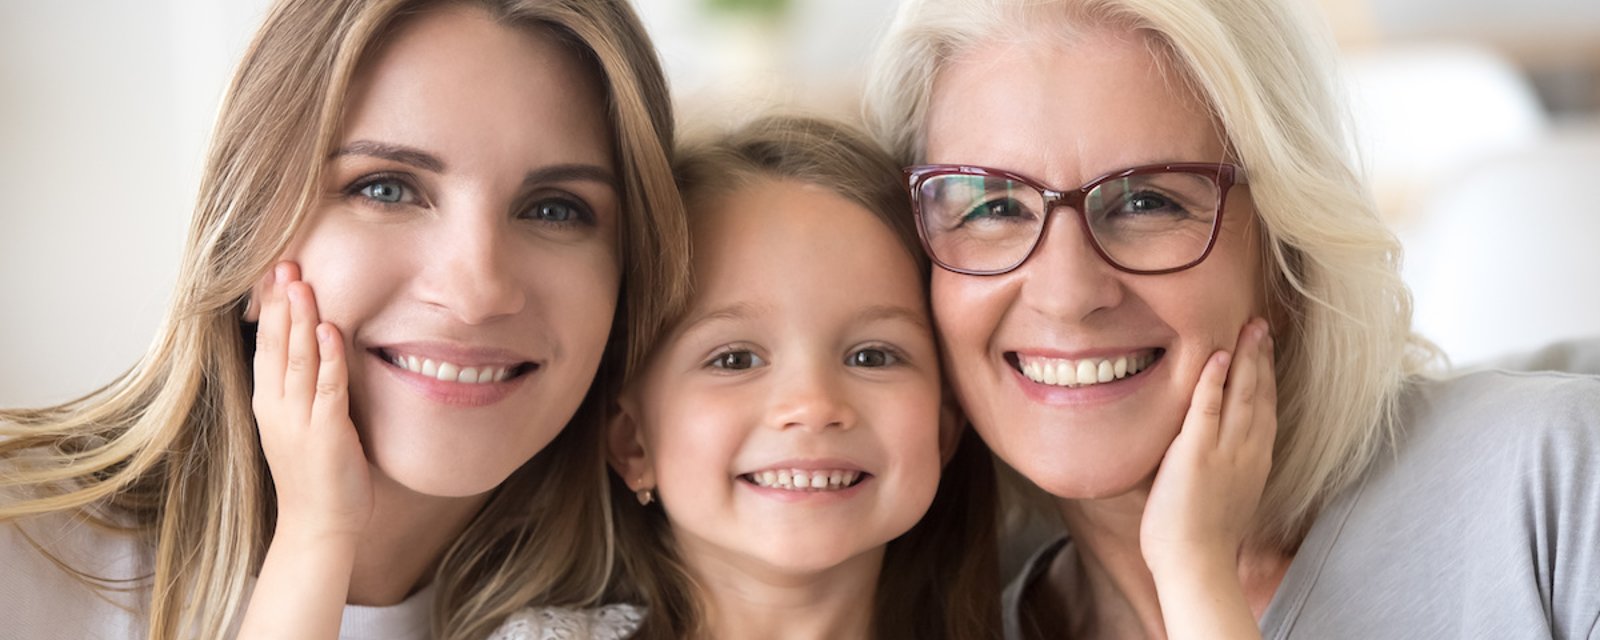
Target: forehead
[[453, 78], [1068, 107], [797, 244]]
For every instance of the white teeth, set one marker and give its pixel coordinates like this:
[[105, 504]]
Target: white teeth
[[803, 480], [1089, 371], [451, 372]]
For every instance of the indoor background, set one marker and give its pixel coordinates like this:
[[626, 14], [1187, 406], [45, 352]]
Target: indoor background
[[1478, 121]]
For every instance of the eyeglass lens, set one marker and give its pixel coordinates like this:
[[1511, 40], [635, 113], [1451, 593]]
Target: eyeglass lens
[[1143, 222]]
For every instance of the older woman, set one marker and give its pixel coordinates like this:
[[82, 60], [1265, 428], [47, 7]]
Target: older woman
[[1110, 191]]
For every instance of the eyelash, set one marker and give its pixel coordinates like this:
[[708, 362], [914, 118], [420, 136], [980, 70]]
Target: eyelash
[[896, 356], [583, 214], [406, 184], [719, 354]]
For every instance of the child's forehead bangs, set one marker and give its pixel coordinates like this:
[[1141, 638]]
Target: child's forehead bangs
[[823, 153]]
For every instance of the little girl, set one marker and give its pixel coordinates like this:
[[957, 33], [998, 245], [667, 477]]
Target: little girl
[[798, 469]]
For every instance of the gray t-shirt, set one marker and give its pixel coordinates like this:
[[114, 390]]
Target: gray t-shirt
[[1483, 522]]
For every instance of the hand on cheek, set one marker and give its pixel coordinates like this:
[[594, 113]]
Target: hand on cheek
[[302, 411], [1210, 481]]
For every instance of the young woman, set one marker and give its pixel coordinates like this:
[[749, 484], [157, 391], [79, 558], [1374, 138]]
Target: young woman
[[1147, 176], [471, 187]]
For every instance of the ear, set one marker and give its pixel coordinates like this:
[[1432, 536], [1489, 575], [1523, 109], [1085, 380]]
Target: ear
[[952, 422], [625, 447]]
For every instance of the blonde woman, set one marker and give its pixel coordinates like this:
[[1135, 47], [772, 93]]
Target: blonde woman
[[407, 193], [1111, 191]]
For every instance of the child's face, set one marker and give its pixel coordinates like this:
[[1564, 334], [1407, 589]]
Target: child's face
[[807, 353]]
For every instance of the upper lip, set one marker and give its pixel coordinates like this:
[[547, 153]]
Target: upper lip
[[458, 354], [807, 464], [1081, 354]]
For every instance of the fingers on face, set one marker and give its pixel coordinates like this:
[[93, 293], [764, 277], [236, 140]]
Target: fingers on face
[[332, 400], [272, 333], [1244, 380], [1205, 409], [301, 367]]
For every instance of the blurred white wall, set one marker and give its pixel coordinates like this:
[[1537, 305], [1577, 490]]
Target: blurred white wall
[[106, 109], [107, 106]]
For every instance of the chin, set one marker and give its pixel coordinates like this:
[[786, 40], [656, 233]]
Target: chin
[[442, 481], [1086, 468]]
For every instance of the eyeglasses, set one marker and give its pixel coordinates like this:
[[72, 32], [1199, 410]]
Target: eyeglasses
[[1147, 220]]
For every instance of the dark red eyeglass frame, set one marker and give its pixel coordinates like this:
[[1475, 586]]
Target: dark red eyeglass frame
[[1224, 175]]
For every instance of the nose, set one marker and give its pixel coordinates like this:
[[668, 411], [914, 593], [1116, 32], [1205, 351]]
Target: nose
[[1066, 277], [810, 396], [468, 268]]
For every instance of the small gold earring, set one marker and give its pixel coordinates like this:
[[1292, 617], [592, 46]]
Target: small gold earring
[[645, 495]]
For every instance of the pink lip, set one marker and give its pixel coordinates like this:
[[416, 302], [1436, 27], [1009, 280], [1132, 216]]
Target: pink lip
[[808, 497], [809, 464], [457, 354], [1078, 396], [1101, 353], [457, 394]]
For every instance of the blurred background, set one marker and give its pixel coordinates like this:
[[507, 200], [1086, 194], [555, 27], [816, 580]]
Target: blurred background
[[1478, 121]]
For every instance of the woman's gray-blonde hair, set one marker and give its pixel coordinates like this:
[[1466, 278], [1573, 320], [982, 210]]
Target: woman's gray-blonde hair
[[1265, 69]]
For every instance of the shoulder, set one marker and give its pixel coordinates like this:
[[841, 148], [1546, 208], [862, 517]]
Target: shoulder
[[1504, 407], [1017, 620], [609, 622], [67, 577]]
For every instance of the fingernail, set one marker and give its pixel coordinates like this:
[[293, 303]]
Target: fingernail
[[280, 273], [324, 334], [1224, 358]]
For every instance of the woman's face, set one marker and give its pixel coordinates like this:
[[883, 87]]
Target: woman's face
[[1066, 112], [467, 246], [791, 423]]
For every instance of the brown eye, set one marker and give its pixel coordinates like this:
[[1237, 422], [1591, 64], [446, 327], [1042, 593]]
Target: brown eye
[[871, 357], [736, 360]]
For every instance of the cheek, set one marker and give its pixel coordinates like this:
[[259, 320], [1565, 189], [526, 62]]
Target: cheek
[[693, 435], [968, 312], [351, 273], [577, 292]]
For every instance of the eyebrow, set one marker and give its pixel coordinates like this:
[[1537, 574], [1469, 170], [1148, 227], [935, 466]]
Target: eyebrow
[[393, 152], [570, 172], [871, 314], [737, 311], [883, 312]]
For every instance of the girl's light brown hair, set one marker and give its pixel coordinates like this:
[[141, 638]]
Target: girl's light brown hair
[[168, 452], [941, 578]]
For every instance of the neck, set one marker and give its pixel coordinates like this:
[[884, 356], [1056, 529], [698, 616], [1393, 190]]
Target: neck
[[749, 599], [1115, 594], [409, 535]]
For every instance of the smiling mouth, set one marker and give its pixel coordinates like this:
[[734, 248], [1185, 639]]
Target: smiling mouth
[[1062, 372], [805, 480], [458, 373]]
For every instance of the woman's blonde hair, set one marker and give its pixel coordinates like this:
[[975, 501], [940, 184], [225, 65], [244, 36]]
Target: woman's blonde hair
[[1265, 69], [168, 452], [941, 578]]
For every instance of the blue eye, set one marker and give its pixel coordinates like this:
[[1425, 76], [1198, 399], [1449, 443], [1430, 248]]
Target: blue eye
[[1147, 202], [736, 360], [558, 211], [385, 191], [998, 209], [871, 357]]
